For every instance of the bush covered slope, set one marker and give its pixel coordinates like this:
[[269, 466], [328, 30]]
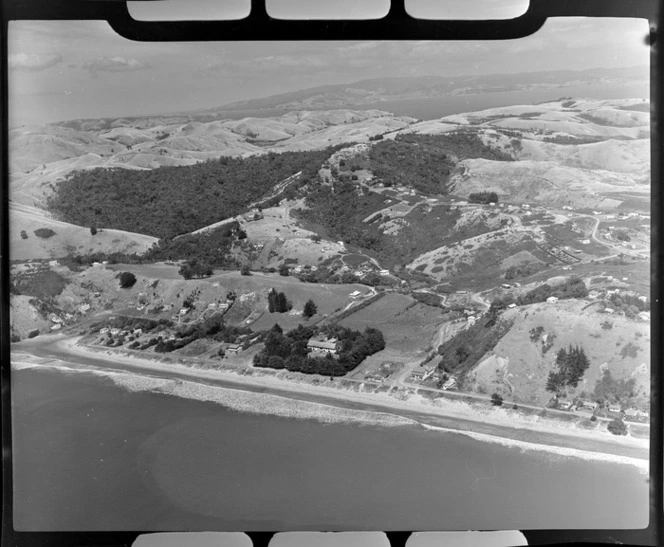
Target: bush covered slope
[[169, 201]]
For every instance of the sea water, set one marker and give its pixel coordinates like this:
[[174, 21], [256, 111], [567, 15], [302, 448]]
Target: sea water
[[89, 454]]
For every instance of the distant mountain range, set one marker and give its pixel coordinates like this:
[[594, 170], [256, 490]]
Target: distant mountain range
[[381, 93], [427, 87]]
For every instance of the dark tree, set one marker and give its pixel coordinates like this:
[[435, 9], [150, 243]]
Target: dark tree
[[617, 427], [496, 399], [127, 280], [93, 230], [283, 270], [310, 309], [245, 270]]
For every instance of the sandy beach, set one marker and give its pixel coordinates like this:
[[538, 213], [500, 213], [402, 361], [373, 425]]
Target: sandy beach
[[268, 394]]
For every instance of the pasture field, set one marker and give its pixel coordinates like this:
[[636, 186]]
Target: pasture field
[[407, 325]]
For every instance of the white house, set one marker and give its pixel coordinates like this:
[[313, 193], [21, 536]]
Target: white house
[[512, 306], [614, 408], [449, 384], [589, 405], [233, 348], [355, 294], [330, 346], [552, 299], [564, 404]]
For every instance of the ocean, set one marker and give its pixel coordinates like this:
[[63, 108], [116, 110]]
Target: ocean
[[89, 454]]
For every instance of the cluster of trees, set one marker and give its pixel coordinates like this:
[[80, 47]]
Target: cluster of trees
[[131, 323], [572, 288], [340, 211], [617, 427], [310, 309], [277, 302], [521, 270], [607, 388], [195, 268], [572, 364], [464, 350], [44, 233], [426, 162], [212, 327], [169, 201], [289, 350], [483, 197], [629, 304], [210, 248], [127, 279]]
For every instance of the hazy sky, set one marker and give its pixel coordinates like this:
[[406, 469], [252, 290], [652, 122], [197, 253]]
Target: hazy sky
[[62, 70]]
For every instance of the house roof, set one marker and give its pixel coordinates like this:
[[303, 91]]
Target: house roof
[[323, 343]]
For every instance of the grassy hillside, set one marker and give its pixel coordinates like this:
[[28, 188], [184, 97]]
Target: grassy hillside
[[521, 361], [66, 239]]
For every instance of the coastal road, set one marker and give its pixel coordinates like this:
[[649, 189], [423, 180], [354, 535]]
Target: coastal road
[[55, 348]]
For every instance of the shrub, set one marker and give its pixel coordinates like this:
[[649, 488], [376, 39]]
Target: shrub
[[33, 333], [93, 230], [127, 280], [245, 270], [44, 233], [617, 427], [496, 399], [24, 234]]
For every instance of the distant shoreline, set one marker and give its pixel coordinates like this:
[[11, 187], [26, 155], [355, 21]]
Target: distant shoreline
[[269, 395]]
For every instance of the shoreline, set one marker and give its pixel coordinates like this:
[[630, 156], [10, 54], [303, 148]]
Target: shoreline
[[266, 394]]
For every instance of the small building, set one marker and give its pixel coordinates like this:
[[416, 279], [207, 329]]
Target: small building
[[355, 294], [564, 404], [384, 272], [329, 346], [552, 299], [506, 286], [233, 348], [615, 408], [57, 326], [512, 306], [631, 413], [589, 405], [449, 384], [585, 242], [137, 332], [115, 332], [104, 330], [428, 373], [609, 310], [418, 374], [184, 311], [593, 294], [644, 316]]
